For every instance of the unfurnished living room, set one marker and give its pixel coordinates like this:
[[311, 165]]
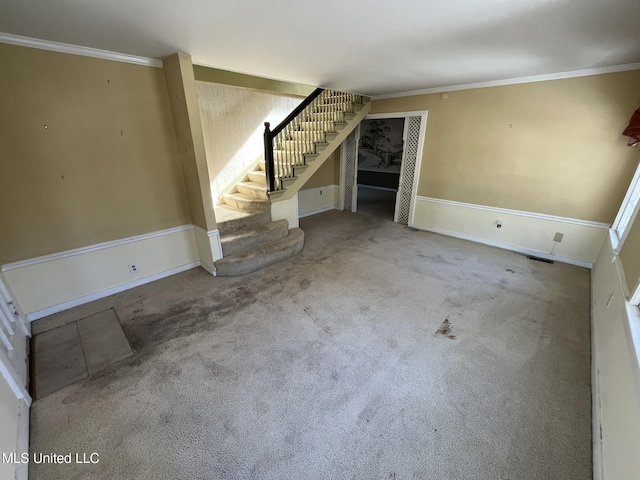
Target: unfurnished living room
[[313, 240]]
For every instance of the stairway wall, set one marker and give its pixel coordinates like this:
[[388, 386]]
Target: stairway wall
[[322, 190], [233, 124]]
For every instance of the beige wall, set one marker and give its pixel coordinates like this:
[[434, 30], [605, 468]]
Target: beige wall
[[630, 256], [105, 167], [181, 85], [550, 147], [233, 126], [327, 174]]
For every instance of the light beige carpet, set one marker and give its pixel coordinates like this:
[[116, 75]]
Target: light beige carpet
[[378, 352]]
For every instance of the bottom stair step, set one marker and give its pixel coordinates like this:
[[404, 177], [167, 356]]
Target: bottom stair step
[[251, 260], [253, 237]]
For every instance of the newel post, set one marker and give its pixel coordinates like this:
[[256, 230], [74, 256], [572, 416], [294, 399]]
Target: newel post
[[268, 158]]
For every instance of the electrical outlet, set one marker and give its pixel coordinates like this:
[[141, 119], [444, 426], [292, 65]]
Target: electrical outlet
[[133, 268], [499, 224], [558, 237], [320, 192]]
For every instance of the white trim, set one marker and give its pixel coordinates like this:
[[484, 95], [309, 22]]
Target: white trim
[[210, 234], [632, 330], [342, 175], [542, 216], [207, 268], [414, 113], [21, 319], [7, 343], [514, 81], [506, 246], [10, 375], [419, 153], [635, 296], [354, 180], [315, 212], [78, 50], [403, 165], [111, 291], [596, 419], [92, 248], [423, 114], [623, 279], [22, 469], [617, 240]]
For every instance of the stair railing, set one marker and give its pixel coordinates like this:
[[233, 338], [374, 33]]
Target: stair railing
[[286, 145]]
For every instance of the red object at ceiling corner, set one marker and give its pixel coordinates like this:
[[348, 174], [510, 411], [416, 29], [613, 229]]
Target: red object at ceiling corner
[[633, 130]]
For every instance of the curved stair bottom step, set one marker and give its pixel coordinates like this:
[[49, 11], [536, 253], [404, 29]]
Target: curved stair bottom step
[[255, 259]]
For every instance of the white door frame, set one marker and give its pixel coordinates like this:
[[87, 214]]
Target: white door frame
[[416, 175]]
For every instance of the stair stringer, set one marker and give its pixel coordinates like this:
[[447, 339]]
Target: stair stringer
[[296, 184]]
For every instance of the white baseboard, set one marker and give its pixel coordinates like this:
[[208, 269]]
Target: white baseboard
[[315, 212], [209, 248], [524, 232], [506, 246], [111, 291]]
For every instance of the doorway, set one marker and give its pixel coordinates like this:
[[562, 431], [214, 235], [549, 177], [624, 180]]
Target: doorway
[[380, 165]]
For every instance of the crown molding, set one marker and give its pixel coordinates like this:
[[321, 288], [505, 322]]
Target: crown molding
[[514, 81], [78, 50]]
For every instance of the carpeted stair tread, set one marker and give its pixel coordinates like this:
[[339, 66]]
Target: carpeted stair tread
[[253, 190], [249, 261], [247, 239], [245, 202], [231, 219]]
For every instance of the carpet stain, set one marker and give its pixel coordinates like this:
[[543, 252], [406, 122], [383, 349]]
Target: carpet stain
[[445, 330], [304, 284], [509, 270]]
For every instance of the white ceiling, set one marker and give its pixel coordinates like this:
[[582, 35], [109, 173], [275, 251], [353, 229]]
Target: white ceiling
[[363, 46]]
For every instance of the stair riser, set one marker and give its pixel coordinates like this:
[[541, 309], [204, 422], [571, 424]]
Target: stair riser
[[246, 205], [253, 192], [295, 146], [300, 148], [270, 233], [259, 178], [253, 221], [265, 256], [317, 136]]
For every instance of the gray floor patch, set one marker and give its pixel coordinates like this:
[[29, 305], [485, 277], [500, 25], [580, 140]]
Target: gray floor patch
[[74, 351]]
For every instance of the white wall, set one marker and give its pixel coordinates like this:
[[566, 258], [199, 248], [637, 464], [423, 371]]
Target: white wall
[[45, 285], [617, 393], [526, 232], [233, 126], [318, 200], [286, 210], [12, 413], [14, 398]]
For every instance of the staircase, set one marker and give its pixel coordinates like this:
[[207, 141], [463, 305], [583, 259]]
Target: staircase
[[294, 150]]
